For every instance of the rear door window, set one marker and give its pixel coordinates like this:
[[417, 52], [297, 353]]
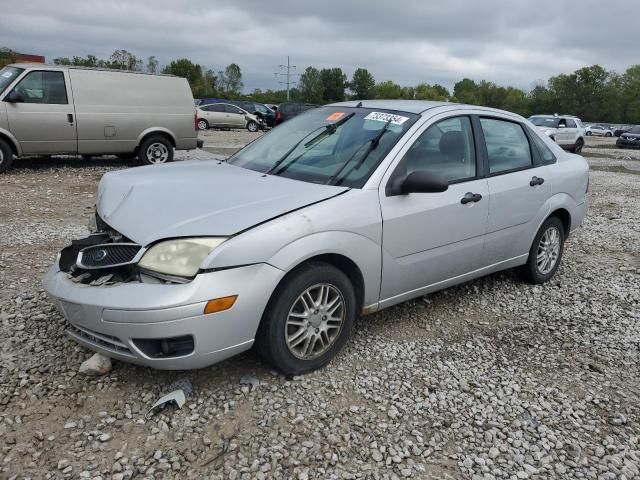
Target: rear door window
[[507, 145], [43, 87], [571, 123], [232, 109], [213, 108]]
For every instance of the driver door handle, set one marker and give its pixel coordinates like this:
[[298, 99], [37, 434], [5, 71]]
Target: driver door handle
[[536, 181], [470, 197], [70, 117]]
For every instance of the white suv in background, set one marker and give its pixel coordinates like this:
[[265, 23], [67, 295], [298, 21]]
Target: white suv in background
[[566, 130]]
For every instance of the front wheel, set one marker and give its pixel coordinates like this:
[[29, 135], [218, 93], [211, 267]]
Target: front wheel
[[6, 156], [308, 319], [155, 151], [609, 134], [546, 252], [577, 148], [252, 126]]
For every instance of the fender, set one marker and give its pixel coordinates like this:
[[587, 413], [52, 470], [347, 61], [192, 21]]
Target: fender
[[155, 130], [12, 139], [557, 201], [364, 252]]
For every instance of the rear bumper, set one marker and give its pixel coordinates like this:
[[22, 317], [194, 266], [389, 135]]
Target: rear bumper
[[113, 319], [578, 213]]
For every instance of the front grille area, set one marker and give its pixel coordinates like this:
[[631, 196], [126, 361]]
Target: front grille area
[[107, 255], [107, 342]]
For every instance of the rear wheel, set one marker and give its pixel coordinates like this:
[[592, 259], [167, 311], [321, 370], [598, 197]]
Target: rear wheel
[[203, 124], [577, 148], [252, 126], [155, 151], [6, 156], [308, 319], [546, 252]]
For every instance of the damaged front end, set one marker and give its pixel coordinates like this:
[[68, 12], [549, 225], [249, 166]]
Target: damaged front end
[[105, 257]]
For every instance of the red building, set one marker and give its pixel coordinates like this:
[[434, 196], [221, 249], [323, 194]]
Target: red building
[[26, 58]]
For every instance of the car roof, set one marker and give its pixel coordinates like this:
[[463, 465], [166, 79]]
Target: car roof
[[410, 106], [46, 66]]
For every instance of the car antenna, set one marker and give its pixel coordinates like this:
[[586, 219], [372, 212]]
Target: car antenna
[[359, 105]]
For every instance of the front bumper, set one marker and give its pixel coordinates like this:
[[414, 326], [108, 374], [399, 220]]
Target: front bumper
[[110, 319]]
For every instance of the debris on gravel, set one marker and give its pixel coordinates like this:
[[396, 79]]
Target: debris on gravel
[[96, 366], [493, 379]]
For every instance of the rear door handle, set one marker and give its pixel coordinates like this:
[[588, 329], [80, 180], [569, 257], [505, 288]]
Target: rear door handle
[[536, 181], [470, 197], [70, 117]]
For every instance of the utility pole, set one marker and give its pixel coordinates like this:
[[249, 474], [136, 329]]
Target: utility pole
[[288, 68]]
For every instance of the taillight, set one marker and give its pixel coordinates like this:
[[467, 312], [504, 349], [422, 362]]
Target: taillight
[[195, 121]]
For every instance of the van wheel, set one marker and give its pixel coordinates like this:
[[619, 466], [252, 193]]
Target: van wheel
[[308, 320], [155, 151], [6, 156], [203, 124], [252, 126], [546, 252]]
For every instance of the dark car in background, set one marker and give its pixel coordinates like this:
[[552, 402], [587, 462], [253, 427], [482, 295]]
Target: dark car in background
[[619, 131], [630, 139], [286, 111], [260, 110]]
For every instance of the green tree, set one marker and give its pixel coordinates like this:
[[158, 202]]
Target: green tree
[[7, 56], [388, 90], [185, 68], [362, 84], [466, 91], [334, 83], [125, 60], [311, 86], [630, 92], [152, 65], [230, 80], [424, 91]]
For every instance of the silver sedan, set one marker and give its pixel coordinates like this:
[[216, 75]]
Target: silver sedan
[[345, 210]]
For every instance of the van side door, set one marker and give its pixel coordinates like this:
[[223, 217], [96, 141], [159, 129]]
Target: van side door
[[41, 114]]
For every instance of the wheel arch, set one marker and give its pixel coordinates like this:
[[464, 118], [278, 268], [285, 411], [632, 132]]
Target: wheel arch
[[13, 143], [153, 131], [564, 216]]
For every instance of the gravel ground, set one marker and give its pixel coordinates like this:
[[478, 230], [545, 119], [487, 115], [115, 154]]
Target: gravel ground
[[491, 379]]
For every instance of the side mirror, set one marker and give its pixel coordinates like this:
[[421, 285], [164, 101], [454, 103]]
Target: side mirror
[[14, 97], [419, 181]]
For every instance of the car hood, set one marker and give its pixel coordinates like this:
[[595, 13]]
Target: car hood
[[198, 198]]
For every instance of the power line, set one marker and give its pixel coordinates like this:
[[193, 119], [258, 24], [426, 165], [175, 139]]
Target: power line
[[288, 68]]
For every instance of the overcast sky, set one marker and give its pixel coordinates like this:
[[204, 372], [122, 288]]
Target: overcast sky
[[510, 42]]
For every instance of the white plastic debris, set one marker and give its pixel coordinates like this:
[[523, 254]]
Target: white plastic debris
[[176, 397], [97, 365]]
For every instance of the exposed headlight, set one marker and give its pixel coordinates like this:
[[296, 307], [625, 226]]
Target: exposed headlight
[[181, 257]]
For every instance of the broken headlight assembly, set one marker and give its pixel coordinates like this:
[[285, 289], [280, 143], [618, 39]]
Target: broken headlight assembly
[[179, 257]]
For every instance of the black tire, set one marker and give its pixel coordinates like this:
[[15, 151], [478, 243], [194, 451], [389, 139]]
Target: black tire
[[271, 343], [126, 156], [609, 134], [589, 134], [155, 143], [253, 126], [203, 124], [577, 148], [6, 156], [530, 271]]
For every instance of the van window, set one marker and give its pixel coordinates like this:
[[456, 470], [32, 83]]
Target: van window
[[8, 75], [43, 87]]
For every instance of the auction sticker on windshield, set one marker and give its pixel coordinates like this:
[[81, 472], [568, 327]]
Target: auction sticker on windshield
[[386, 117], [335, 116], [7, 74]]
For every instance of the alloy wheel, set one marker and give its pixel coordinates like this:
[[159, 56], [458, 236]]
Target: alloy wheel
[[548, 250], [202, 125], [315, 321]]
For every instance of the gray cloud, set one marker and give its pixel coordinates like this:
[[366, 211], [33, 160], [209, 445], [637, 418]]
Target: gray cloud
[[510, 42]]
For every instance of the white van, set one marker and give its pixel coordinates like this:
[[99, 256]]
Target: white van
[[50, 110]]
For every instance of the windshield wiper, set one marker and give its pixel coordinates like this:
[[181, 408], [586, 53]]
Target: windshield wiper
[[328, 130], [373, 144]]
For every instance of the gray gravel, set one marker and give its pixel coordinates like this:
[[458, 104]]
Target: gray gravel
[[492, 379]]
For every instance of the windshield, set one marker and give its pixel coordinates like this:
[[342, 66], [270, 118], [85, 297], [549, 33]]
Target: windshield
[[303, 148], [551, 122], [8, 75]]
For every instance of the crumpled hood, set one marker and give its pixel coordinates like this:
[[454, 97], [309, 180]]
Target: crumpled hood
[[198, 198]]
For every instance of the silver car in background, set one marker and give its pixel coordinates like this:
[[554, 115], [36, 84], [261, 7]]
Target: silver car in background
[[342, 211], [225, 115]]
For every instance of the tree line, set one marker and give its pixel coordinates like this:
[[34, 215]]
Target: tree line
[[592, 93]]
